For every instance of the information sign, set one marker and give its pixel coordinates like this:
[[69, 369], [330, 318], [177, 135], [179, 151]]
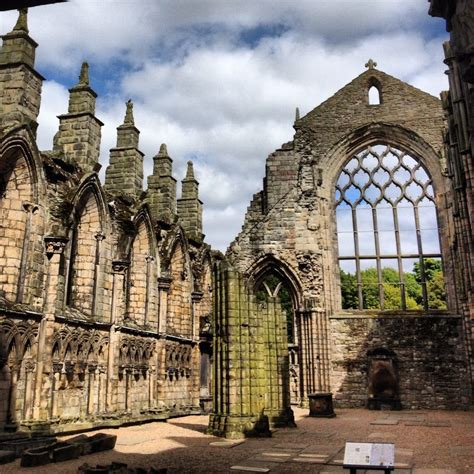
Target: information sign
[[369, 454]]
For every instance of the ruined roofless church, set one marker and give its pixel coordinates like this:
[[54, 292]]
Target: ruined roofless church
[[350, 276]]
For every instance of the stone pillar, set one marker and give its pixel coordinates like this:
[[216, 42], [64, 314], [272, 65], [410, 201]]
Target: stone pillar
[[29, 377], [196, 297], [151, 373], [57, 369], [54, 253], [119, 269], [12, 418], [164, 284], [314, 350], [239, 363], [92, 371], [102, 374], [149, 283]]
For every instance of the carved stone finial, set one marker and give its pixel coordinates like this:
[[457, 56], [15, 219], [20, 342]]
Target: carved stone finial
[[297, 114], [129, 114], [371, 64], [84, 74], [163, 150], [22, 22], [190, 171]]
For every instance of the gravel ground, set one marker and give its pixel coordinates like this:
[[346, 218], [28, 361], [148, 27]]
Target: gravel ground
[[428, 442]]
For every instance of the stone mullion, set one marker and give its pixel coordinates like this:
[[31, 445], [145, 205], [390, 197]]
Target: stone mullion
[[421, 259]]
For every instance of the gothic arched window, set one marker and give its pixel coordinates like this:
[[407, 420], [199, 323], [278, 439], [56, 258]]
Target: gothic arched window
[[374, 95], [387, 229]]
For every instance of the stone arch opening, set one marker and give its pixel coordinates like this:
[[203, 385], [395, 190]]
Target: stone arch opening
[[142, 273], [277, 288], [179, 320], [85, 256], [17, 367], [16, 220]]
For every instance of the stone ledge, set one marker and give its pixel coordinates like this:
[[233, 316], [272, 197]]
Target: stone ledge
[[394, 315]]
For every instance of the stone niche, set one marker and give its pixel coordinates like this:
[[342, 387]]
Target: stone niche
[[383, 383]]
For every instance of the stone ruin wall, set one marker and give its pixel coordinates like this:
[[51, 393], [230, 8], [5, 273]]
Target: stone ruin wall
[[104, 288], [290, 225]]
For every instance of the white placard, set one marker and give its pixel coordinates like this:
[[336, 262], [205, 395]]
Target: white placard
[[369, 454]]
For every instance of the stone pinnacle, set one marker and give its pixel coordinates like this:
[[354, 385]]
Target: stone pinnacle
[[190, 171], [22, 22], [84, 74], [163, 150]]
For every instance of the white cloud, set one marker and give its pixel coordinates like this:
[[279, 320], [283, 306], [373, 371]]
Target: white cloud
[[213, 98]]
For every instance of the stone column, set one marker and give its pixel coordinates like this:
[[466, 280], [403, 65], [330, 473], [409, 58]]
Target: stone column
[[30, 209], [149, 263], [42, 394], [100, 388], [57, 369], [314, 344], [97, 296], [29, 375], [128, 374], [164, 284], [239, 381], [92, 370], [119, 269], [151, 377], [11, 418]]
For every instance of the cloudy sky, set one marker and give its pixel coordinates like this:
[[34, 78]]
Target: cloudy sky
[[219, 80]]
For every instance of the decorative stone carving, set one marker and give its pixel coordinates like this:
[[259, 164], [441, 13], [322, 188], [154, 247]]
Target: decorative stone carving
[[55, 245]]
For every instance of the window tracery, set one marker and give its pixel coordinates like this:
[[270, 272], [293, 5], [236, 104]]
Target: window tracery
[[387, 229]]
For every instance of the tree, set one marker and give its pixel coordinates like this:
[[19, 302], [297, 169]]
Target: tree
[[434, 282], [350, 298]]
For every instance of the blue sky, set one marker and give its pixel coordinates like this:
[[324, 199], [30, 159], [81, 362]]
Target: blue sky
[[219, 80]]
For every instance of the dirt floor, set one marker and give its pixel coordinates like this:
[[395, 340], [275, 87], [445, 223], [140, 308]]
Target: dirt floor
[[426, 442]]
